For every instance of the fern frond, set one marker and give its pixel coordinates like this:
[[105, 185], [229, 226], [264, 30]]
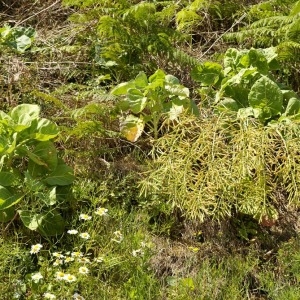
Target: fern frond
[[289, 50], [273, 22], [293, 32], [183, 58], [263, 33]]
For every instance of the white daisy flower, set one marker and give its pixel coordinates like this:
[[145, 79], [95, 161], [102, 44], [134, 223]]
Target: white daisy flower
[[76, 296], [72, 231], [101, 211], [36, 277], [49, 296], [69, 259], [60, 275], [76, 254], [137, 252], [99, 259], [83, 270], [58, 262], [83, 260], [36, 248], [119, 237], [84, 235], [70, 278], [85, 217]]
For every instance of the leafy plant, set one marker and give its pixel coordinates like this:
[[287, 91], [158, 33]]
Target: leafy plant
[[18, 39], [280, 30], [152, 101], [245, 86], [33, 179]]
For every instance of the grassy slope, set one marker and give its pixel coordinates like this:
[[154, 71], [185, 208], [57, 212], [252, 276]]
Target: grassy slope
[[159, 254]]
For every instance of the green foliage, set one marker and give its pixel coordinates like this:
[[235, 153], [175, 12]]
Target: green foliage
[[155, 99], [246, 87], [18, 39], [280, 30], [31, 171]]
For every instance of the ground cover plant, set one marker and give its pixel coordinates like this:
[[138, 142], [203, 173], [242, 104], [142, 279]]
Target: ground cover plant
[[149, 150]]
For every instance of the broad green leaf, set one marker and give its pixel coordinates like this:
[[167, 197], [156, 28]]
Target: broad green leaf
[[7, 214], [33, 184], [62, 175], [51, 224], [245, 112], [52, 196], [19, 38], [288, 94], [208, 73], [231, 59], [141, 80], [171, 79], [158, 75], [137, 101], [271, 56], [47, 196], [7, 199], [24, 114], [227, 104], [47, 224], [122, 88], [177, 90], [8, 178], [175, 111], [132, 128], [45, 130], [265, 98], [29, 219], [45, 154], [292, 108], [257, 59]]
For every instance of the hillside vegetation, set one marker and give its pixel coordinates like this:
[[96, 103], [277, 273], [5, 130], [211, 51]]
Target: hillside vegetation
[[150, 149]]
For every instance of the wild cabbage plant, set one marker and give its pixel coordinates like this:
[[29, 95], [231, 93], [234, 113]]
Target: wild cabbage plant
[[33, 179], [151, 101], [245, 86]]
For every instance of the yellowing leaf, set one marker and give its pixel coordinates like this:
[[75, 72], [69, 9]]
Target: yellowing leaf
[[132, 128]]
